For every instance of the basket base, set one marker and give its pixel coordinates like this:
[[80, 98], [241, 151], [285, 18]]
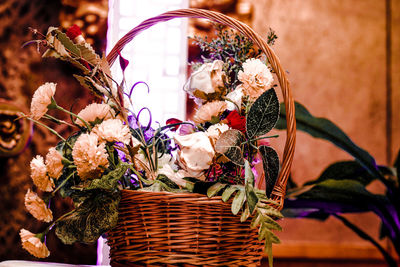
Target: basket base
[[130, 264], [168, 229]]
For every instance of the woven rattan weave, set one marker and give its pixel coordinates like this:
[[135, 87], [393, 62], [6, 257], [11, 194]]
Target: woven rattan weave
[[167, 229]]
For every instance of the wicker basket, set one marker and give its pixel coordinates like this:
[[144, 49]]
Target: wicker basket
[[167, 229]]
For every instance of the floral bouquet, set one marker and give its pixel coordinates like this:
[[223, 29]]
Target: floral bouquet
[[223, 151]]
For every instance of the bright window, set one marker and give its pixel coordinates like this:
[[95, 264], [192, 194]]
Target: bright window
[[157, 56]]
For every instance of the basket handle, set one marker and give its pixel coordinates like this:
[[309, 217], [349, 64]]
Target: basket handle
[[278, 192]]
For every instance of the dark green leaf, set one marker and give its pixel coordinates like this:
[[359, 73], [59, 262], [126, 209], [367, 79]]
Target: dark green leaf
[[397, 165], [238, 201], [214, 189], [271, 167], [229, 144], [171, 184], [201, 187], [92, 218], [342, 191], [345, 170], [263, 114], [108, 181], [325, 129]]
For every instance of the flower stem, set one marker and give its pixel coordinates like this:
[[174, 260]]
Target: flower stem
[[74, 115], [57, 120], [62, 184], [45, 126], [138, 175]]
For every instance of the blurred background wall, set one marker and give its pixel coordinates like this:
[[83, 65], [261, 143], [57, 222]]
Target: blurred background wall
[[343, 61]]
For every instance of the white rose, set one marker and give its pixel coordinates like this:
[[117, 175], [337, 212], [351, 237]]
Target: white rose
[[235, 98], [196, 152], [215, 131], [207, 79]]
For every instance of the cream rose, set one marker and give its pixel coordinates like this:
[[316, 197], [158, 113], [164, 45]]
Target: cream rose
[[235, 98], [36, 206], [33, 244], [215, 131], [207, 79], [196, 152], [42, 99], [256, 78]]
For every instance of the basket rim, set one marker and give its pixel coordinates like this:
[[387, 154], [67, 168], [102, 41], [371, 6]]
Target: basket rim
[[279, 190]]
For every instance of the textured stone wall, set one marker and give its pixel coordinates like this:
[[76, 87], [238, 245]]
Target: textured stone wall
[[22, 71]]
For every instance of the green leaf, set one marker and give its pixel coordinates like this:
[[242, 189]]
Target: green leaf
[[267, 210], [256, 220], [263, 114], [270, 161], [397, 164], [69, 45], [248, 174], [343, 191], [245, 214], [238, 201], [228, 193], [88, 54], [271, 224], [325, 129], [268, 249], [229, 144], [252, 198], [214, 189], [96, 215], [159, 186], [88, 83], [345, 170], [109, 181]]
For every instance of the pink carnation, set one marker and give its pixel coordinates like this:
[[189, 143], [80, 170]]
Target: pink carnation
[[113, 130], [42, 99], [89, 156], [39, 174], [94, 112], [33, 244], [54, 163], [36, 206]]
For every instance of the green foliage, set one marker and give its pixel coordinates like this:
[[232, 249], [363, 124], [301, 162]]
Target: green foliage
[[90, 84], [345, 170], [214, 189], [107, 181], [271, 167], [97, 214], [263, 114], [229, 144]]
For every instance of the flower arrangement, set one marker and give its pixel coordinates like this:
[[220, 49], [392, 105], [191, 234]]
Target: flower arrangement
[[216, 153]]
